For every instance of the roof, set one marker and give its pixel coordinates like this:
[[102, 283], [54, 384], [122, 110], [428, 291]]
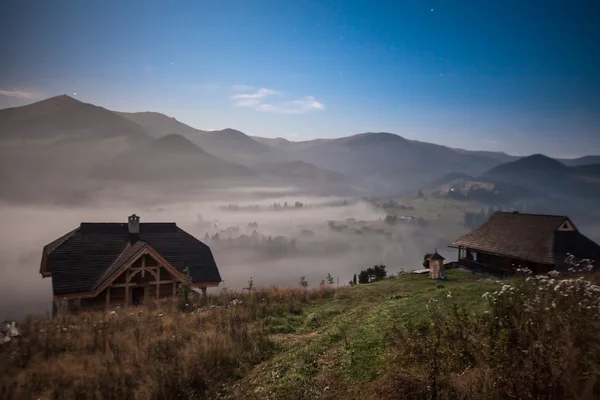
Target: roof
[[93, 252], [529, 237], [436, 256]]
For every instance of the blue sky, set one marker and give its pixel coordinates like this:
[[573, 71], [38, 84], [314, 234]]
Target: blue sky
[[515, 76]]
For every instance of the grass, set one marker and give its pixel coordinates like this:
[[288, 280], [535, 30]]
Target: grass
[[380, 340]]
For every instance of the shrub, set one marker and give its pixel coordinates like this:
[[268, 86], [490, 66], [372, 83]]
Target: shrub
[[537, 340]]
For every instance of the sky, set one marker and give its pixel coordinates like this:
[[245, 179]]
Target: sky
[[521, 77]]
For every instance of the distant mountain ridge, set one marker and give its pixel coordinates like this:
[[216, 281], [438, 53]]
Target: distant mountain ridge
[[171, 157], [154, 145], [64, 117]]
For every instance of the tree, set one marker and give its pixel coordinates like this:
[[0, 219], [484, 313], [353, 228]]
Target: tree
[[363, 276], [206, 237], [322, 282], [420, 194], [329, 279], [354, 279], [379, 272], [303, 282], [426, 260]]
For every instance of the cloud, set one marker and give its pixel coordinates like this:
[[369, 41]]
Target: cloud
[[255, 100], [21, 94], [259, 94], [242, 88], [304, 105]]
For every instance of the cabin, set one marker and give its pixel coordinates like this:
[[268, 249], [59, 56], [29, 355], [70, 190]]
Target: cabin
[[99, 266], [511, 240]]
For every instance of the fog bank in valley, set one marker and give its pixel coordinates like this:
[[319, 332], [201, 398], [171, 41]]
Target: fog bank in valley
[[262, 233]]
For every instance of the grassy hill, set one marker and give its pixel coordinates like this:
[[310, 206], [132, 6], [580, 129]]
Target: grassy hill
[[406, 337]]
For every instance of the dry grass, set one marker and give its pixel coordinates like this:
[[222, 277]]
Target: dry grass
[[407, 338], [154, 352]]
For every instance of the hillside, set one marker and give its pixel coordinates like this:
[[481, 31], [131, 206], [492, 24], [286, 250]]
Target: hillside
[[172, 157], [298, 170], [228, 144], [540, 174], [388, 163], [581, 161], [158, 125], [233, 145], [65, 118], [408, 337]]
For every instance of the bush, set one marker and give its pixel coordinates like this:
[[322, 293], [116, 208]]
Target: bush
[[539, 339]]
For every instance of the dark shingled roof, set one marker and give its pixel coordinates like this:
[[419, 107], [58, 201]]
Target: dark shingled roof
[[530, 237], [92, 252]]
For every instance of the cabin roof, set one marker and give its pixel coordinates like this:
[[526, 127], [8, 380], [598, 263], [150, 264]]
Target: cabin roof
[[530, 237], [436, 256], [81, 260]]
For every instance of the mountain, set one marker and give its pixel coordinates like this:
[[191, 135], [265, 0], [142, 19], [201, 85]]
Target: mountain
[[535, 165], [158, 125], [65, 118], [589, 171], [228, 144], [233, 145], [577, 162], [298, 170], [550, 185], [288, 145], [498, 156], [172, 157], [387, 163]]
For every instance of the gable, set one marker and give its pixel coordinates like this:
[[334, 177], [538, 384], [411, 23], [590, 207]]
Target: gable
[[566, 226], [91, 254]]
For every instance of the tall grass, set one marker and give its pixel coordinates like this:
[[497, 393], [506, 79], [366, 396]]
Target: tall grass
[[538, 340], [153, 352]]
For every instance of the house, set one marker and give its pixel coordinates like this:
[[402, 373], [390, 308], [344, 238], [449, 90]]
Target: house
[[509, 240], [104, 265]]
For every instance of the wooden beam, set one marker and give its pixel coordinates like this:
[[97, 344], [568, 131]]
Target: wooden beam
[[126, 288], [143, 265], [119, 285], [157, 290], [107, 298]]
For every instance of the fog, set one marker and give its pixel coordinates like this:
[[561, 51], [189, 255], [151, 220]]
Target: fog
[[319, 248]]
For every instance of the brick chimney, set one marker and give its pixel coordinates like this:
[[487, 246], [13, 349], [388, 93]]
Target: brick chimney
[[133, 225]]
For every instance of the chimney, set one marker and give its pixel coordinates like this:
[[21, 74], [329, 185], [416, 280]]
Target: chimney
[[133, 225]]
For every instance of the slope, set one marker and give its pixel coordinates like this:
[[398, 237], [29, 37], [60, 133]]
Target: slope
[[172, 157], [298, 170], [65, 118], [234, 146], [228, 144], [389, 163], [158, 125], [578, 162]]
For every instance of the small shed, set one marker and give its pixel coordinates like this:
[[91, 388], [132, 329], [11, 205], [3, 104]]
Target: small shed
[[436, 266]]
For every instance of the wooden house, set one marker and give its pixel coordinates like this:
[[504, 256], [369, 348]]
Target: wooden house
[[509, 240], [103, 265]]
